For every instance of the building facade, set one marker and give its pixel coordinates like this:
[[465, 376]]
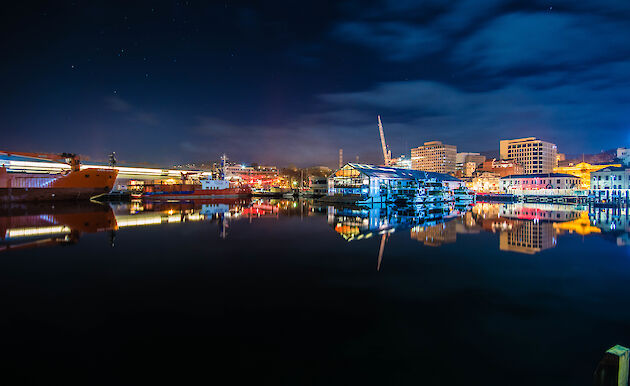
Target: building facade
[[434, 157], [467, 163], [534, 155], [539, 182], [610, 181], [371, 182], [501, 167]]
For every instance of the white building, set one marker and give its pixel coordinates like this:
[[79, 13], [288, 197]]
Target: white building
[[535, 155], [539, 183], [610, 181]]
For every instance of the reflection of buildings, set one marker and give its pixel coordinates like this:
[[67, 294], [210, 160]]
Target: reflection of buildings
[[528, 237], [534, 226], [435, 235], [614, 223]]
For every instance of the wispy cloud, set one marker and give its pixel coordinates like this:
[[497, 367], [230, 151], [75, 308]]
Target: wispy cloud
[[131, 112]]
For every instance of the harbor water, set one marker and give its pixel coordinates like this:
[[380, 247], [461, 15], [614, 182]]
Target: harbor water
[[290, 292]]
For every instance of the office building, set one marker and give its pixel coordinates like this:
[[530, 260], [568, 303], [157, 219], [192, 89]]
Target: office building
[[535, 155], [434, 157]]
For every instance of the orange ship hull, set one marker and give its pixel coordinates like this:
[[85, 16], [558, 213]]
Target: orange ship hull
[[77, 185]]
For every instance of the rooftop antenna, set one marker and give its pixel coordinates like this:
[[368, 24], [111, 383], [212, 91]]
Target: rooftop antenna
[[387, 154]]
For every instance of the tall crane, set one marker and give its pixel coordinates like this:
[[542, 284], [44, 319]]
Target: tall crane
[[387, 154]]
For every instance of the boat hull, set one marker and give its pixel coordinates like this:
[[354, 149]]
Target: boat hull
[[199, 194], [77, 185], [49, 194]]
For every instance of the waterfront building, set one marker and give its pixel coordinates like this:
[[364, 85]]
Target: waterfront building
[[486, 182], [582, 170], [259, 175], [501, 167], [371, 182], [610, 181], [535, 155], [434, 157], [559, 183], [318, 186]]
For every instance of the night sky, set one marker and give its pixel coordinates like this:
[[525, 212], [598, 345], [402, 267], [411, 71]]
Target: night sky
[[292, 82]]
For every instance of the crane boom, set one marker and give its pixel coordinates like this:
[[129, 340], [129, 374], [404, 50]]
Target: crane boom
[[387, 155]]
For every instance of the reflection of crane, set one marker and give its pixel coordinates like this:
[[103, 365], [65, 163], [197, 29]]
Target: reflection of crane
[[69, 158], [387, 154], [381, 249]]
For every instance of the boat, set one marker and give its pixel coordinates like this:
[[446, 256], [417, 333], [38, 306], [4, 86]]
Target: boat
[[207, 189], [463, 195], [72, 184]]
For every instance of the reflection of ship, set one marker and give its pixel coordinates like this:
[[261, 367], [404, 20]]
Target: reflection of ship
[[73, 184], [39, 224]]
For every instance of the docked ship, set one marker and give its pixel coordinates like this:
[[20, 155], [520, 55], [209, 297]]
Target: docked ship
[[207, 189], [72, 184]]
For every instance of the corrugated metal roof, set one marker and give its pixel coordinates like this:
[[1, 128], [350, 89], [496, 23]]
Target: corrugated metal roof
[[399, 173]]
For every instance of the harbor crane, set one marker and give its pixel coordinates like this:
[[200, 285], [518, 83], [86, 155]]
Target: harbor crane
[[387, 154]]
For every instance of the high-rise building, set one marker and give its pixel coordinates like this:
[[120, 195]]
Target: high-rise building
[[535, 155], [434, 157]]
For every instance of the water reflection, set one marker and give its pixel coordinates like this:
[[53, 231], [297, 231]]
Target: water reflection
[[522, 228], [31, 225]]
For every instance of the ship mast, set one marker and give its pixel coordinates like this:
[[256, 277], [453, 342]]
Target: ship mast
[[387, 155]]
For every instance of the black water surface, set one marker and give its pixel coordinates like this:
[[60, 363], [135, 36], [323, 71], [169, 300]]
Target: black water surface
[[284, 299]]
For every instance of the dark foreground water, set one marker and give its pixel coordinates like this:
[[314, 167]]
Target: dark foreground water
[[291, 293]]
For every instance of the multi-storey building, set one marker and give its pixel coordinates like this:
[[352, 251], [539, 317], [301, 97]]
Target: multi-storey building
[[467, 163], [535, 155], [434, 157]]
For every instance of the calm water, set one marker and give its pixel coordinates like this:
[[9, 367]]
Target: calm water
[[292, 293]]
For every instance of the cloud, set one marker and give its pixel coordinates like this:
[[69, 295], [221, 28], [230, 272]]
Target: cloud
[[586, 115], [131, 113], [529, 41], [397, 41]]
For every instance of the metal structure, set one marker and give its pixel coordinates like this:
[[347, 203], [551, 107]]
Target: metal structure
[[387, 154], [340, 158]]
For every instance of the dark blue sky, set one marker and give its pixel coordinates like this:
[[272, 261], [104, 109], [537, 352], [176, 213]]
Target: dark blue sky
[[292, 82]]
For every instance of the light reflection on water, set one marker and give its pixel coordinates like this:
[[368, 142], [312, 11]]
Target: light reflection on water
[[523, 227], [298, 291]]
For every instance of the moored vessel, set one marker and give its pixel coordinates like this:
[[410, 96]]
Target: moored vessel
[[206, 189], [73, 184]]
